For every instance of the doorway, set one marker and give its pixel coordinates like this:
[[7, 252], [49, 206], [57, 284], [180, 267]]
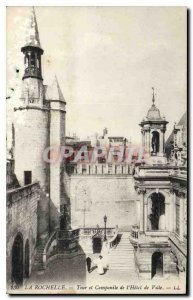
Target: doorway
[[17, 260], [97, 244], [157, 265]]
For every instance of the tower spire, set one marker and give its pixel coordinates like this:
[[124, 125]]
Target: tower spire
[[32, 34], [32, 49]]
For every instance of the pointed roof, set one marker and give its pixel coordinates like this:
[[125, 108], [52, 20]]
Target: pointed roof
[[32, 34], [182, 122], [54, 92], [153, 112]]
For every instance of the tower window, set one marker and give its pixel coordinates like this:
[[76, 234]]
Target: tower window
[[27, 177]]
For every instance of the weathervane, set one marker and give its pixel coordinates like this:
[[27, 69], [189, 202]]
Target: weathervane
[[153, 99]]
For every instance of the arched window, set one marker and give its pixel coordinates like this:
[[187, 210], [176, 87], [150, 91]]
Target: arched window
[[156, 212], [155, 142], [17, 260]]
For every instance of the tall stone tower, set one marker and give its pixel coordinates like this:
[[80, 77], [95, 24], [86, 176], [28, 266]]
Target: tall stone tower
[[31, 128], [153, 131], [57, 104], [39, 125]]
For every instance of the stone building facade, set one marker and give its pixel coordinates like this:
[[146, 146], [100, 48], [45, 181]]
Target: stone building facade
[[159, 236]]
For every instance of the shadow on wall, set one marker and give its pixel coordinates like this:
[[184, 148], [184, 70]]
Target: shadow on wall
[[65, 200], [54, 217], [48, 216]]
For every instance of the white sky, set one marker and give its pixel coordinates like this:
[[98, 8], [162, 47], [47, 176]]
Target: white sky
[[106, 60]]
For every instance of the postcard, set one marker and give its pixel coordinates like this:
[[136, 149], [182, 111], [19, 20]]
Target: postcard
[[96, 150]]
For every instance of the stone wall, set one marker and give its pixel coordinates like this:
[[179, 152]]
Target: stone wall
[[22, 219], [93, 196]]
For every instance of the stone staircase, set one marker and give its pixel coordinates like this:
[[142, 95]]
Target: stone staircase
[[38, 260], [122, 257]]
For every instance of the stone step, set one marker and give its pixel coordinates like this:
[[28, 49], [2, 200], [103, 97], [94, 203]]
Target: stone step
[[122, 256], [124, 244], [38, 255], [124, 264], [121, 259], [128, 263], [118, 254], [130, 260], [126, 251], [41, 247], [124, 248], [120, 267]]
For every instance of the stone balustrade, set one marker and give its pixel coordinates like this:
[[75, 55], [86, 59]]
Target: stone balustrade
[[135, 231], [98, 169], [96, 230]]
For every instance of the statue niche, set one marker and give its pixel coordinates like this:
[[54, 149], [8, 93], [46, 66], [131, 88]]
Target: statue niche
[[155, 142]]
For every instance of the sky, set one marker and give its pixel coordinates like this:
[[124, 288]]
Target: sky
[[107, 59]]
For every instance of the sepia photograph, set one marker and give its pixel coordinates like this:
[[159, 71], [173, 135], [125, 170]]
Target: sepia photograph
[[96, 150]]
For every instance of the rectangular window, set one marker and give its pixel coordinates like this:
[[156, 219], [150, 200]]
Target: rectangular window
[[27, 177]]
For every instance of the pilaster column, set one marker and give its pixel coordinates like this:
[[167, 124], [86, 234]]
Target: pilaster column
[[148, 141], [161, 150], [181, 233], [167, 215], [145, 215], [185, 216], [142, 223], [143, 137], [138, 211], [172, 223]]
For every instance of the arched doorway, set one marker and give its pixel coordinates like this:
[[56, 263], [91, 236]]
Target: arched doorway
[[156, 212], [157, 265], [27, 255], [17, 260], [97, 244], [155, 142]]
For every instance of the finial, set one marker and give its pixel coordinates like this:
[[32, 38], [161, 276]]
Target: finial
[[153, 99]]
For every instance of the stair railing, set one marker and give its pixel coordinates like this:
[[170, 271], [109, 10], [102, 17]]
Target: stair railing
[[47, 246], [114, 240], [135, 231]]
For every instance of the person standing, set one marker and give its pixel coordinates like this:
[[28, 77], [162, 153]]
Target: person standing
[[100, 265], [88, 263]]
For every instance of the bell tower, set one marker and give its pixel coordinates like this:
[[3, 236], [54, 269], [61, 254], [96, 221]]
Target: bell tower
[[153, 128], [32, 115], [32, 88]]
